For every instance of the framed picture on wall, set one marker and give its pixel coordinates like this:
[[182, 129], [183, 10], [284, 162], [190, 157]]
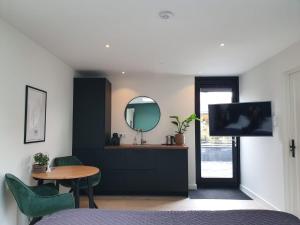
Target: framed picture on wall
[[35, 115]]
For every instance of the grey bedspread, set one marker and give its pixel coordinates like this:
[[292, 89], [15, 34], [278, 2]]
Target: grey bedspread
[[105, 217]]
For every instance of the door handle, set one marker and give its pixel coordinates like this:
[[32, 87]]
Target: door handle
[[234, 140], [293, 148]]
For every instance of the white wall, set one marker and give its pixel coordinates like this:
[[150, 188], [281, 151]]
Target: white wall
[[22, 62], [175, 96], [262, 165]]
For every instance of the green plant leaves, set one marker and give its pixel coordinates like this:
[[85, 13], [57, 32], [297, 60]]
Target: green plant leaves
[[41, 159], [183, 125], [175, 122]]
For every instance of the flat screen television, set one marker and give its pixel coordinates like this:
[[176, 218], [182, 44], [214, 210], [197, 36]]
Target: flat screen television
[[241, 119]]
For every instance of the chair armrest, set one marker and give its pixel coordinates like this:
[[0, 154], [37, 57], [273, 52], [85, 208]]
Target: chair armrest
[[45, 205]]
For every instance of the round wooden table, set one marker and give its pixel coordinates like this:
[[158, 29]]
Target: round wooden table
[[73, 173]]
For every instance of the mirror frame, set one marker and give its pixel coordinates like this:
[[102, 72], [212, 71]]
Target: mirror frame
[[158, 110]]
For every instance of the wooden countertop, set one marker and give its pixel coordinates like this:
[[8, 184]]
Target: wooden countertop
[[147, 146]]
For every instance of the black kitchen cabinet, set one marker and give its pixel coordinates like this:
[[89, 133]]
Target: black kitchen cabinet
[[91, 118], [140, 170], [125, 169]]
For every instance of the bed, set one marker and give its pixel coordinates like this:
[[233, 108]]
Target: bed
[[108, 217]]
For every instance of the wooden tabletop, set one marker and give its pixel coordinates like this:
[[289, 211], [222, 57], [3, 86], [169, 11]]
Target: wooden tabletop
[[67, 173]]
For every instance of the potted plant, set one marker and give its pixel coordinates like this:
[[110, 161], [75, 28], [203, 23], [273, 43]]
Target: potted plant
[[182, 126], [40, 163]]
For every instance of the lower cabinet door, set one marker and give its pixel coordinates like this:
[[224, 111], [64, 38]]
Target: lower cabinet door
[[141, 181], [173, 171], [143, 172], [112, 181]]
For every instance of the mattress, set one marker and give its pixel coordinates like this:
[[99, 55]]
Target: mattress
[[107, 217]]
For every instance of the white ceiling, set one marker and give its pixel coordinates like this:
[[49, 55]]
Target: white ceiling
[[141, 43]]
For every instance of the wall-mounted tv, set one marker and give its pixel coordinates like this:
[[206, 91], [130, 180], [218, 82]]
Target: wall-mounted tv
[[241, 119]]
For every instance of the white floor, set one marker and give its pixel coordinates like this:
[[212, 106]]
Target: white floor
[[170, 203]]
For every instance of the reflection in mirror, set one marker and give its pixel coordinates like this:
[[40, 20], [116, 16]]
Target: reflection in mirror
[[142, 113]]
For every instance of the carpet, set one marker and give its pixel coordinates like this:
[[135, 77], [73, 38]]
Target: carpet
[[218, 193]]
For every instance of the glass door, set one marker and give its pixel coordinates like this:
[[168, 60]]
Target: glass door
[[217, 157], [216, 152]]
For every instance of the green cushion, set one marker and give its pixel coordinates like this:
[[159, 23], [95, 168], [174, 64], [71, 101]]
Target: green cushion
[[45, 190], [38, 201], [66, 161]]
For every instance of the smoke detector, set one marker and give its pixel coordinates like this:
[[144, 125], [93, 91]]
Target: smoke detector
[[165, 15]]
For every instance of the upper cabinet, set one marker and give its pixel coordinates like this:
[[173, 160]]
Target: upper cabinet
[[91, 117]]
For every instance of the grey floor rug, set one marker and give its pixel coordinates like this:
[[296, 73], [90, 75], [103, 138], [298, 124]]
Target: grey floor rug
[[218, 193]]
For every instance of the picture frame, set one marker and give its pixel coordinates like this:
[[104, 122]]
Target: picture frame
[[35, 115]]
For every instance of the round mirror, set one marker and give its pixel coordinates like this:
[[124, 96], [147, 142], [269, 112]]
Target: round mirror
[[142, 113]]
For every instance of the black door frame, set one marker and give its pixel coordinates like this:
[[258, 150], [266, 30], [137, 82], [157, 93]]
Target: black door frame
[[218, 83]]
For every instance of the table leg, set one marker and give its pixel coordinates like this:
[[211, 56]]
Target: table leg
[[90, 193], [76, 192], [40, 182], [57, 185]]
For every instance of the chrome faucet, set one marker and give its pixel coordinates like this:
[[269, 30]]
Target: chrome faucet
[[143, 141]]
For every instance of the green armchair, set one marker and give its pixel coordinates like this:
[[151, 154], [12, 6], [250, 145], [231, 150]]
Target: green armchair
[[73, 161], [36, 202]]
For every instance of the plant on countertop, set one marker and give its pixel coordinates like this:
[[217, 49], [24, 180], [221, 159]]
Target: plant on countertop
[[41, 159], [184, 124]]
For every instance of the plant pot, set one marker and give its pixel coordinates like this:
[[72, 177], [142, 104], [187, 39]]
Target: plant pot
[[179, 139], [37, 168]]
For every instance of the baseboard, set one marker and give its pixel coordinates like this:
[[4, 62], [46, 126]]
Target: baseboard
[[192, 186], [258, 198]]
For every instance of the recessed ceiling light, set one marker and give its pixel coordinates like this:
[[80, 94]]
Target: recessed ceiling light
[[222, 45], [123, 72], [107, 46]]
